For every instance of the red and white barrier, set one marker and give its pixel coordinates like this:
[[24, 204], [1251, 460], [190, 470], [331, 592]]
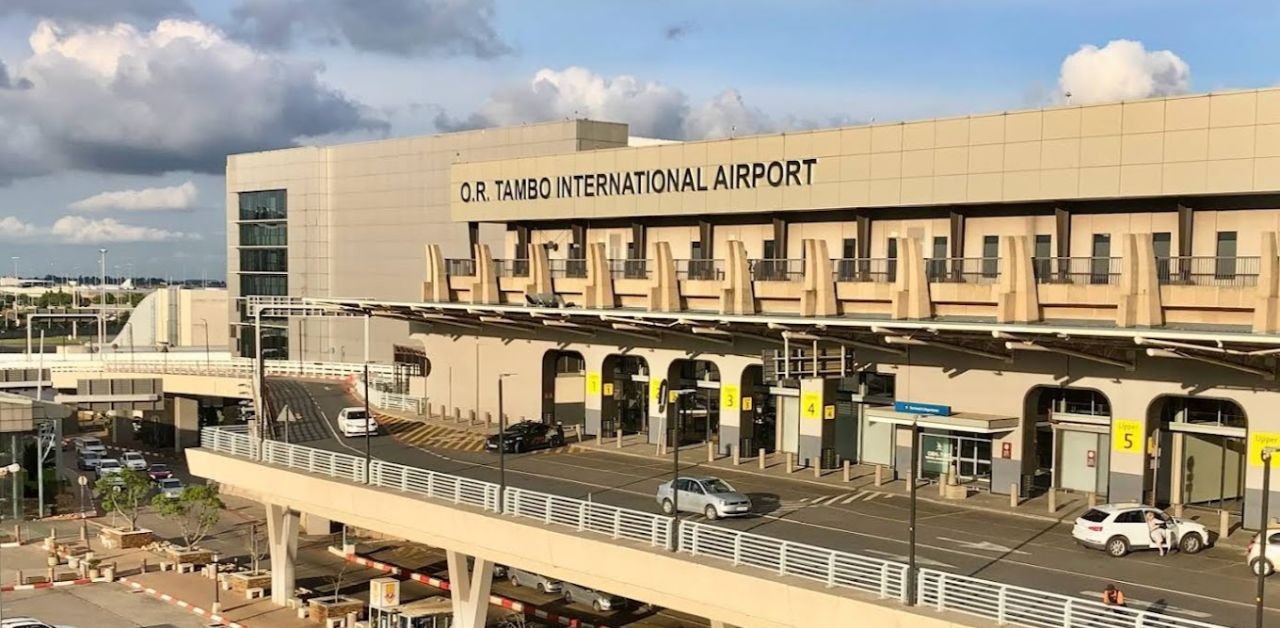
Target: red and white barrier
[[182, 604]]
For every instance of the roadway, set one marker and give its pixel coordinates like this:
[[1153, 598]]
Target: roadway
[[1025, 551]]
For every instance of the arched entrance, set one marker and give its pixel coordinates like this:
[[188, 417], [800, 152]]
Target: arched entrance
[[625, 395], [1069, 431], [700, 421], [759, 414], [564, 392], [1200, 452]]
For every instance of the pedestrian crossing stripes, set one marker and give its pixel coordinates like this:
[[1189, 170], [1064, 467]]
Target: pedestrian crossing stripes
[[841, 499]]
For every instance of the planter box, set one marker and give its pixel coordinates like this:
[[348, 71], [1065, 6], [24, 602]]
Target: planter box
[[179, 556], [241, 582], [324, 608], [114, 538]]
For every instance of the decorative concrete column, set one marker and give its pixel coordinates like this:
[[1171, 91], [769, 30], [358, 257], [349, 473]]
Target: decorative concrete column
[[1129, 455], [593, 400], [599, 291], [1265, 303], [469, 586], [664, 294], [819, 296], [1139, 287], [436, 288], [911, 299], [1017, 300], [731, 369], [282, 542], [539, 270], [737, 296]]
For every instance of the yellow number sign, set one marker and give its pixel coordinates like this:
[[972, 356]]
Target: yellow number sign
[[1126, 436], [655, 387], [608, 389], [1259, 441], [593, 383], [828, 412], [811, 405], [746, 404], [728, 397]]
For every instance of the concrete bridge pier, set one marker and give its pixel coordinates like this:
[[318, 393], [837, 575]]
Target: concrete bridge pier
[[469, 588], [282, 540]]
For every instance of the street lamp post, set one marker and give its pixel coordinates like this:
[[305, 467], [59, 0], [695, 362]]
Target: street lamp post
[[102, 298], [502, 445], [11, 469], [1261, 569], [675, 466], [208, 362], [368, 418], [911, 513], [84, 523]]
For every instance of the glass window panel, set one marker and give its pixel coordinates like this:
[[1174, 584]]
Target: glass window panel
[[263, 205]]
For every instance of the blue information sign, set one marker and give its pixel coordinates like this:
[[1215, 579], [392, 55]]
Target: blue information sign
[[913, 407]]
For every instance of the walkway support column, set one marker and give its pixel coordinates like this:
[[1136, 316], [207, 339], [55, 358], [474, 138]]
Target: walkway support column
[[469, 586], [282, 541]]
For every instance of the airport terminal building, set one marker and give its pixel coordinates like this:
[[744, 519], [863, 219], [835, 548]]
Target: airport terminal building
[[1082, 297]]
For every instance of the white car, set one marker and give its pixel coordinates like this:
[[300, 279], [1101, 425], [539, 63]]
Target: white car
[[90, 444], [170, 487], [354, 422], [25, 622], [1269, 552], [134, 461], [1121, 528], [108, 466]]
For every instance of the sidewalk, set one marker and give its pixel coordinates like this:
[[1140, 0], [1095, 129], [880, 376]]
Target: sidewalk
[[196, 592]]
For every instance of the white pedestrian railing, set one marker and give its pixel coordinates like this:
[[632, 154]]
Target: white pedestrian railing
[[619, 523], [386, 400], [884, 578], [1001, 603], [224, 367]]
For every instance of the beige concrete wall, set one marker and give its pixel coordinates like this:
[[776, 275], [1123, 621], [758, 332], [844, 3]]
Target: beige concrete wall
[[1224, 143], [180, 384], [741, 597], [200, 308]]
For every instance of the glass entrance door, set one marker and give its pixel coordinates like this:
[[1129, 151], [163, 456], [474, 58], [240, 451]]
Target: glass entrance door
[[974, 460]]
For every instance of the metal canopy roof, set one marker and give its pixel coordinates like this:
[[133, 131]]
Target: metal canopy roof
[[1112, 346]]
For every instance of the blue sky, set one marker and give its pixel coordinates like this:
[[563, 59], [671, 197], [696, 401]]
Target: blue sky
[[142, 111]]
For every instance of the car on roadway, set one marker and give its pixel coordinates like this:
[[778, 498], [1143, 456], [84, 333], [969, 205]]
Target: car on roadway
[[158, 471], [108, 466], [90, 443], [706, 495], [26, 622], [356, 422], [170, 487], [88, 460], [1121, 528], [522, 578], [1262, 558], [133, 461], [597, 600], [527, 436]]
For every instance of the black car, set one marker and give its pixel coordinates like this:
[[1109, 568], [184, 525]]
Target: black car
[[528, 435]]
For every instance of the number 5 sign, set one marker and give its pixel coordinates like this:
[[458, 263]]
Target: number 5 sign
[[1126, 436]]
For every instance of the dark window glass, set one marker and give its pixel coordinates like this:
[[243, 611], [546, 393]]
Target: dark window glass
[[695, 250], [1225, 265], [770, 249], [570, 363], [1162, 242], [990, 256], [264, 260], [1100, 265], [1094, 516], [849, 248], [1044, 251], [938, 265], [260, 234], [1132, 516], [265, 285], [892, 254], [263, 205]]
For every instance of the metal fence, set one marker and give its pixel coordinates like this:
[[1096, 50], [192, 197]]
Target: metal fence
[[450, 488], [629, 268], [568, 268], [700, 269], [619, 523], [460, 267], [776, 269], [312, 460], [879, 270], [511, 267], [389, 400], [833, 568], [981, 270], [1221, 272], [1080, 271]]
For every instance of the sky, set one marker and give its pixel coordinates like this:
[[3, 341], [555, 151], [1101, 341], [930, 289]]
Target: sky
[[116, 116]]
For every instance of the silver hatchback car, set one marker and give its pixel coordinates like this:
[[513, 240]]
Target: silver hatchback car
[[522, 578], [706, 495], [597, 600]]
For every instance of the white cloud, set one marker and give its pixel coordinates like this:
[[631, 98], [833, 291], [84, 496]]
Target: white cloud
[[13, 229], [179, 96], [146, 199], [80, 230], [1122, 70]]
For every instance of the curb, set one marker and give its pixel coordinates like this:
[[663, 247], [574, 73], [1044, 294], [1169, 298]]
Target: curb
[[50, 585], [181, 604], [494, 600]]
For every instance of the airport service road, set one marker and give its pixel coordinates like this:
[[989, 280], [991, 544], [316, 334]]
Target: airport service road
[[1214, 586]]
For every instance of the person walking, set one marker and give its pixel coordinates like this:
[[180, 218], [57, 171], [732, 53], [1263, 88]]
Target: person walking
[[1158, 532], [1112, 596]]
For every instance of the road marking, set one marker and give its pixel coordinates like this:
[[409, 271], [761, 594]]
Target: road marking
[[902, 559], [984, 546], [1152, 606], [858, 495]]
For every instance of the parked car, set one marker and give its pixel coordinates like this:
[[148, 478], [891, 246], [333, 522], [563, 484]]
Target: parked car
[[171, 487], [90, 443], [159, 471], [598, 600], [88, 460], [25, 622], [706, 495], [133, 461], [527, 436], [108, 466], [355, 422], [1262, 557], [1121, 528], [522, 578]]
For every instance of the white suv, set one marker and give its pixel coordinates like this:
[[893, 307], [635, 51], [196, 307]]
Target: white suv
[[1121, 528], [1260, 561], [354, 422], [134, 461]]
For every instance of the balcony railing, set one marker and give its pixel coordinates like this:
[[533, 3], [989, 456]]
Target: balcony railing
[[1222, 272], [1080, 271], [880, 270], [776, 269], [700, 269], [629, 268], [568, 268], [460, 267], [511, 267], [979, 270]]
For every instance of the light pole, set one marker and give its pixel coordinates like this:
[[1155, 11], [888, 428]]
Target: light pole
[[911, 513], [1262, 534], [502, 445], [368, 418], [11, 469], [17, 285], [208, 362], [680, 396], [83, 481], [102, 298]]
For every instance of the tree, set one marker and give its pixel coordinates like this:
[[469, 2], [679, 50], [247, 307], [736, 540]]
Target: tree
[[196, 510], [125, 492]]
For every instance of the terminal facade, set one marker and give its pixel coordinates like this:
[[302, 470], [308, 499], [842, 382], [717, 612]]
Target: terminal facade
[[1078, 297]]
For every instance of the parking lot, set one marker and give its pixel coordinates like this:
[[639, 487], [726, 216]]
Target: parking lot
[[97, 606]]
